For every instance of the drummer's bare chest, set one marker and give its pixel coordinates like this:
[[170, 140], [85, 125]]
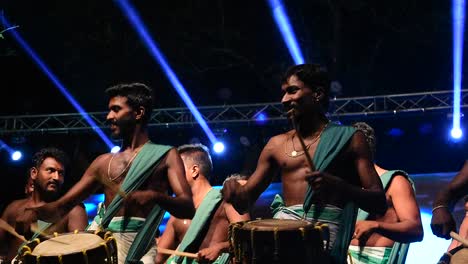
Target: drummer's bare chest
[[295, 163], [119, 165]]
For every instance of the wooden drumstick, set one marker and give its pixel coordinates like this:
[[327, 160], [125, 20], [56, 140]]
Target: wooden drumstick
[[459, 238], [5, 226], [177, 253]]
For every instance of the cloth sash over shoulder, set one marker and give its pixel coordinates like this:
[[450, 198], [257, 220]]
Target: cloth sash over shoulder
[[195, 233], [332, 141], [399, 250], [141, 168]]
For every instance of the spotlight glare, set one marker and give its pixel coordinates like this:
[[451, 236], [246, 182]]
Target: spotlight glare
[[261, 118], [458, 27], [218, 147], [115, 149], [135, 21], [456, 133], [54, 79], [282, 21], [16, 155]]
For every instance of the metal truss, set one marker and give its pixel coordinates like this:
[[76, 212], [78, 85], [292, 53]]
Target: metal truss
[[241, 113]]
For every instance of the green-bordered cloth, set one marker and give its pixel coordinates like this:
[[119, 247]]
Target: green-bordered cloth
[[332, 141], [369, 255], [399, 250], [198, 228], [141, 168]]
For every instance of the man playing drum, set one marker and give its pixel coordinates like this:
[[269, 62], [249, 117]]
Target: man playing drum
[[47, 176], [142, 172], [212, 217], [386, 239], [339, 175]]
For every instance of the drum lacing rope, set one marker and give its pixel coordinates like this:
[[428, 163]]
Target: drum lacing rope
[[320, 226], [85, 255], [60, 259], [236, 247], [104, 244], [26, 250], [56, 234], [252, 245], [38, 259], [302, 229], [276, 239], [108, 237]]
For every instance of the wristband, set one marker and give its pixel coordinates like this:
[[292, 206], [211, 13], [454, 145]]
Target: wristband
[[438, 207]]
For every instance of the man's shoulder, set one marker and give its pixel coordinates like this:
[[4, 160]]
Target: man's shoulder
[[14, 207], [280, 138], [77, 209], [398, 182]]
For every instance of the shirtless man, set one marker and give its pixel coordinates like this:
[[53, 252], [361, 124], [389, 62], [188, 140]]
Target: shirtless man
[[47, 176], [374, 237], [198, 167], [343, 170], [143, 170], [442, 221]]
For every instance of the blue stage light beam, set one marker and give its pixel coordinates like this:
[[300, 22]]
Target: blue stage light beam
[[15, 155], [282, 21], [458, 19], [55, 81], [135, 21]]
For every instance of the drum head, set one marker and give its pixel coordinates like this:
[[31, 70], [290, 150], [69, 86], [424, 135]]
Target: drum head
[[277, 224], [67, 244]]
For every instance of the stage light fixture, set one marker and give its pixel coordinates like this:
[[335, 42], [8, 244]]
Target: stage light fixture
[[115, 149], [16, 155], [218, 147]]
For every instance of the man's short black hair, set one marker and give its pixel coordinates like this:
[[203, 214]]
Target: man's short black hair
[[137, 95], [50, 152], [314, 76], [200, 155]]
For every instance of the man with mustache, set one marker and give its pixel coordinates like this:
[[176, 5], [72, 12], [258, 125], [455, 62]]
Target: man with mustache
[[138, 182], [47, 176], [340, 176]]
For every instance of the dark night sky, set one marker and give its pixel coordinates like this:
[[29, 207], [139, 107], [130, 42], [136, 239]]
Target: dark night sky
[[223, 51], [230, 52]]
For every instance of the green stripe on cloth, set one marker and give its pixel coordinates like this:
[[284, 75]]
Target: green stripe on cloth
[[399, 250], [141, 168], [121, 225], [314, 213], [193, 236], [332, 141], [224, 258], [370, 255]]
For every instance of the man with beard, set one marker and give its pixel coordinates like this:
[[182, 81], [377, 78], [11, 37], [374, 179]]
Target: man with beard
[[339, 176], [47, 176], [136, 181]]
